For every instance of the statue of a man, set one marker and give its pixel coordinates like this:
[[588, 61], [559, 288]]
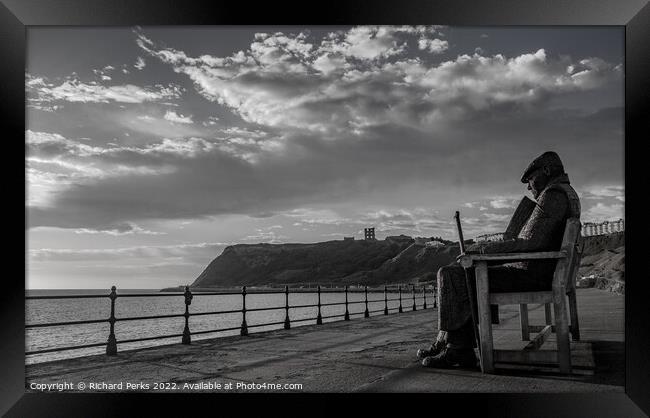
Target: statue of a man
[[542, 230]]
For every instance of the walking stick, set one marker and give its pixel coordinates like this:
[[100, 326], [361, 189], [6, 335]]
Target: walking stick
[[470, 294]]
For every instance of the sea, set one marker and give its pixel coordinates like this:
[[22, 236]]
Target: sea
[[38, 311]]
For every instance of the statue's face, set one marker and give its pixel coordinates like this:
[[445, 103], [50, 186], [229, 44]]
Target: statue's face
[[537, 181]]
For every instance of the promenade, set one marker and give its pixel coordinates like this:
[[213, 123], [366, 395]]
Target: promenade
[[374, 354]]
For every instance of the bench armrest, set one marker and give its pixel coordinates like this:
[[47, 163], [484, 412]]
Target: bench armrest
[[468, 259]]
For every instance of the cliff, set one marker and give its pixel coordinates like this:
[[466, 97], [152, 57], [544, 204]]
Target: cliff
[[603, 262], [274, 264]]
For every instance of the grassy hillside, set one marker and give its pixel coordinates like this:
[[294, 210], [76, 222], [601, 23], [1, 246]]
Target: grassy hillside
[[260, 264]]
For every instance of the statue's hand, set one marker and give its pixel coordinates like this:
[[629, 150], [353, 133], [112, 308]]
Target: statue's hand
[[464, 260]]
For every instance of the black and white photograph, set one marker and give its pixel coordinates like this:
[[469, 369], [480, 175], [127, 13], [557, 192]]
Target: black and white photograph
[[331, 209]]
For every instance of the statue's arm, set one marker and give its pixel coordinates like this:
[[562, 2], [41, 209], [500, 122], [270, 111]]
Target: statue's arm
[[535, 235]]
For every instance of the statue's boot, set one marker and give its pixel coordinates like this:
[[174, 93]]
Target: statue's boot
[[452, 357], [435, 349]]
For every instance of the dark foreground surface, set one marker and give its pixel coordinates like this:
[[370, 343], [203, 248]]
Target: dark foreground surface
[[374, 354]]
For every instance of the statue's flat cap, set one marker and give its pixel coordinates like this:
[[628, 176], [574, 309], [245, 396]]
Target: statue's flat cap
[[548, 159]]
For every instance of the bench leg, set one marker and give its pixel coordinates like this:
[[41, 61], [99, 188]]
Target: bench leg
[[573, 310], [523, 321], [484, 317], [547, 314], [562, 331]]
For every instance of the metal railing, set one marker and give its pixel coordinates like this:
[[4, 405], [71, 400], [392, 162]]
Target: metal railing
[[112, 342]]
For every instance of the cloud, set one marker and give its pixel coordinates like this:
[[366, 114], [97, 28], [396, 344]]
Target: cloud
[[503, 203], [238, 174], [603, 212], [367, 43], [56, 164], [435, 46], [494, 217], [52, 143], [154, 125], [382, 124], [140, 63], [211, 121], [413, 221], [242, 132], [189, 252], [351, 81], [266, 235], [174, 117], [127, 228], [310, 216], [605, 191], [76, 91]]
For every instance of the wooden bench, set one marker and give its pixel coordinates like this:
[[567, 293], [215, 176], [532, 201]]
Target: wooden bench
[[563, 285]]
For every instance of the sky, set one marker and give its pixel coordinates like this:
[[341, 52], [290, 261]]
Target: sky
[[151, 149]]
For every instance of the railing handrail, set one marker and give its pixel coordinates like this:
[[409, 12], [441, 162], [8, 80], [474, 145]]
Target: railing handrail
[[111, 344], [216, 293]]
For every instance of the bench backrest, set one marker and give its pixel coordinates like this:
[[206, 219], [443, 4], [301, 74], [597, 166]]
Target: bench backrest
[[572, 244]]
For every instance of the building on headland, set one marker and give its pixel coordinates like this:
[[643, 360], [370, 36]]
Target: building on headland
[[606, 227], [434, 244], [369, 234], [490, 237], [429, 241], [348, 238]]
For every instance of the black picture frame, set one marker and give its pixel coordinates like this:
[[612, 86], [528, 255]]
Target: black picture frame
[[16, 15]]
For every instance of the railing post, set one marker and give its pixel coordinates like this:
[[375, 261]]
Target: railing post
[[413, 290], [435, 296], [346, 317], [111, 345], [399, 287], [287, 322], [187, 339], [424, 295], [244, 326], [366, 314], [319, 318], [385, 300]]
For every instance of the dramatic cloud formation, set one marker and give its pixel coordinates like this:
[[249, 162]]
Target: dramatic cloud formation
[[360, 79]]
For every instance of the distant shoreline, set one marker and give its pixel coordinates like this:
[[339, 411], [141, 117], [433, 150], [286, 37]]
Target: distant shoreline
[[280, 289]]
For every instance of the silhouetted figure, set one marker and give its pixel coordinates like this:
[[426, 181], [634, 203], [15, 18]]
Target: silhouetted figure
[[540, 228]]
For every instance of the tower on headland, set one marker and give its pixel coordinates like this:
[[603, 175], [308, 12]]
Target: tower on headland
[[369, 233]]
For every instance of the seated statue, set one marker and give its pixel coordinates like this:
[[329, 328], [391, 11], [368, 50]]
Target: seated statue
[[535, 226]]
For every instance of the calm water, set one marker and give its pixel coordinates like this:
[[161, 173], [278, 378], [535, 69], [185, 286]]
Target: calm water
[[63, 310]]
